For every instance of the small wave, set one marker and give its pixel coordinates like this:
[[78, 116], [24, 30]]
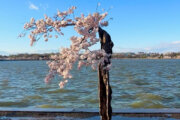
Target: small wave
[[13, 104], [148, 96], [146, 104], [59, 91], [49, 106], [34, 97], [92, 101]]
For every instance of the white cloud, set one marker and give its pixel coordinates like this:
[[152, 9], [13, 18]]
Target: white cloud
[[161, 48], [121, 49], [44, 6], [4, 53], [168, 47], [176, 42], [33, 7], [42, 51]]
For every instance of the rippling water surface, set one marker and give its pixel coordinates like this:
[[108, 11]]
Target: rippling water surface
[[135, 84]]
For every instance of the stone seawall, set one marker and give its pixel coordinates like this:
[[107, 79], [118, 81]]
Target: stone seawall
[[65, 114]]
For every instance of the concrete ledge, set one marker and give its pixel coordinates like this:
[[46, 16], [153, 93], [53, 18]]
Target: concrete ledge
[[85, 113]]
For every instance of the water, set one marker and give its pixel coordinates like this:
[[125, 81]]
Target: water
[[135, 84]]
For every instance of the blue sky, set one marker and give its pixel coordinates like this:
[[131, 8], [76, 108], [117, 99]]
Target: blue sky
[[137, 25]]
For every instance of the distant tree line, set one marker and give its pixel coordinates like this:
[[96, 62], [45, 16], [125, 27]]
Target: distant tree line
[[170, 55], [26, 56], [46, 56]]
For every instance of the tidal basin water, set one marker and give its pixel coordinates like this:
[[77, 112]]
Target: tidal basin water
[[136, 83]]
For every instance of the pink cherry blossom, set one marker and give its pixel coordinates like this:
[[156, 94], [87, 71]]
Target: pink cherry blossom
[[104, 23], [79, 50]]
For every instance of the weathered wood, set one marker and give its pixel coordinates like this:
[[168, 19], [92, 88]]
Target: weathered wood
[[104, 86]]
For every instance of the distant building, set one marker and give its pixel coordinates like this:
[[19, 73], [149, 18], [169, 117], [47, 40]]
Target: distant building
[[167, 57]]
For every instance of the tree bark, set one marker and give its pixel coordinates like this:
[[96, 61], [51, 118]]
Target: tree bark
[[104, 86]]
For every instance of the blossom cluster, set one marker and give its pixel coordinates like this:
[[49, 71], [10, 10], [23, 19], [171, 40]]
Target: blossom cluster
[[91, 22], [44, 27], [86, 26]]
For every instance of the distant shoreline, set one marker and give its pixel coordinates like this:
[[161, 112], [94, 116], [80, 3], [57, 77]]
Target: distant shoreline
[[128, 55], [112, 58], [21, 60]]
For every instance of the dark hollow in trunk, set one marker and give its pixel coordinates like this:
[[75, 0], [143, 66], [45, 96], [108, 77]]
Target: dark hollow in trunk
[[104, 86]]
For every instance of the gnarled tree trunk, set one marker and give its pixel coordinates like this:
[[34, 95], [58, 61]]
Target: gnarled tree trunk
[[104, 86]]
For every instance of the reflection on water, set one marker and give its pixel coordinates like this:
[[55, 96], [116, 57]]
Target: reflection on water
[[135, 84]]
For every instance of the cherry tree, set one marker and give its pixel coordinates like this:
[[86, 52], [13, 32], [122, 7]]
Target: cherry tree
[[79, 51]]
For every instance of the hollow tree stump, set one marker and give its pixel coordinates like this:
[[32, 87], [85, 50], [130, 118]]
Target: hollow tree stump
[[104, 86]]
